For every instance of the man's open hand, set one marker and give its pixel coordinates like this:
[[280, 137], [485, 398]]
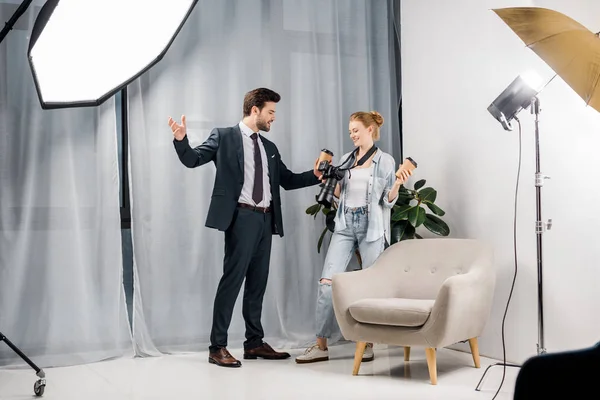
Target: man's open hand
[[179, 131]]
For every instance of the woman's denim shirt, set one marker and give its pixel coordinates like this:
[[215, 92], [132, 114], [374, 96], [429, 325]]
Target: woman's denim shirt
[[383, 176]]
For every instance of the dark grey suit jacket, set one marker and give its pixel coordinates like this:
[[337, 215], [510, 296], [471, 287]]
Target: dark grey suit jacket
[[224, 147]]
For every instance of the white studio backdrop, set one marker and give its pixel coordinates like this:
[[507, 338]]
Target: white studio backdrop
[[61, 292], [327, 59], [463, 55]]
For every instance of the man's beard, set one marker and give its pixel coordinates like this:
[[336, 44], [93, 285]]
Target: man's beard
[[262, 125]]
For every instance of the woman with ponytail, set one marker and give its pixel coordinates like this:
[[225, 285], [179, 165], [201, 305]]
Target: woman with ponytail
[[366, 196]]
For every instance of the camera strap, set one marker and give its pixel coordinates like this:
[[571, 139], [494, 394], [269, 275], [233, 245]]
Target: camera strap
[[363, 159]]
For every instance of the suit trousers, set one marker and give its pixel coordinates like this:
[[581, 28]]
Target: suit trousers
[[247, 255]]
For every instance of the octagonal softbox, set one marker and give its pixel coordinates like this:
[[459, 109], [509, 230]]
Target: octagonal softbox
[[82, 52]]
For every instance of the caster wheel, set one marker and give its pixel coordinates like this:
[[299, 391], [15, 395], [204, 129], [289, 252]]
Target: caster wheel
[[38, 388]]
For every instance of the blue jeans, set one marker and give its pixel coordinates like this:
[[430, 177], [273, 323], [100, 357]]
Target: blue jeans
[[341, 249]]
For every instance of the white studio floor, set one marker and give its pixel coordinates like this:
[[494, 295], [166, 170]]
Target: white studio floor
[[177, 377]]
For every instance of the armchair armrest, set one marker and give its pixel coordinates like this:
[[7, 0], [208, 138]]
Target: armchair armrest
[[461, 308]]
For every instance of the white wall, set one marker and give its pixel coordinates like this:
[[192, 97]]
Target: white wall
[[457, 56]]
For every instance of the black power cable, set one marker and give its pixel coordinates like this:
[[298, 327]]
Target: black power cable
[[516, 265]]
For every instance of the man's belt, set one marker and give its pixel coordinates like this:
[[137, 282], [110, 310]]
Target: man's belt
[[255, 208]]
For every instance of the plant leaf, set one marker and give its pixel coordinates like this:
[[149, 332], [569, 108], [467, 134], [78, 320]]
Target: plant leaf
[[312, 210], [401, 230], [397, 231], [419, 184], [330, 221], [404, 196], [436, 225], [428, 194], [317, 211], [409, 233], [321, 239], [421, 218], [401, 212], [435, 209], [416, 216], [403, 200], [418, 236]]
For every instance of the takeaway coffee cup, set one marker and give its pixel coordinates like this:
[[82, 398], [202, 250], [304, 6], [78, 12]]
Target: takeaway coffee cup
[[325, 155], [408, 165]]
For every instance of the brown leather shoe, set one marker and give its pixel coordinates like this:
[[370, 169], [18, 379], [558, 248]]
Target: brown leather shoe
[[264, 351], [223, 358]]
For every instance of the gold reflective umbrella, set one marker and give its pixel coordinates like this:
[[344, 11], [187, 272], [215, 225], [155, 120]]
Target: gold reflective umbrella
[[569, 48]]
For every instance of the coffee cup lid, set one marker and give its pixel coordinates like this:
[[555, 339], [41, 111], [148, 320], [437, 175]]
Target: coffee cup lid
[[412, 161]]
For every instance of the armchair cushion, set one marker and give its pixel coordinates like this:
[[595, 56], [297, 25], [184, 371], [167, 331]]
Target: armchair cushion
[[391, 311]]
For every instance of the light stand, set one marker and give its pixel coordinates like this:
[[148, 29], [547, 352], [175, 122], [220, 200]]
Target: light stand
[[514, 98], [159, 23], [40, 384], [540, 226], [11, 22]]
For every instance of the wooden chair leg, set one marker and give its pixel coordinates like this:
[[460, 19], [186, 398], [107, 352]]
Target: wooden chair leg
[[431, 364], [358, 355], [475, 351], [406, 353]]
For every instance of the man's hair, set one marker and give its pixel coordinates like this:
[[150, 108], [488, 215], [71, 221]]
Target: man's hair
[[258, 97]]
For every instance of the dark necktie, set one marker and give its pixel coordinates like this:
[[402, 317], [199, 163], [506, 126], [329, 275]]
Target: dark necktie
[[257, 192]]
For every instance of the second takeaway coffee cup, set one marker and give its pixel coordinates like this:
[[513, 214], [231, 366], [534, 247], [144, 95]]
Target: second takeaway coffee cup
[[408, 165]]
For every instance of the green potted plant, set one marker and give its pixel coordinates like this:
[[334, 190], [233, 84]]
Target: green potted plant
[[411, 211]]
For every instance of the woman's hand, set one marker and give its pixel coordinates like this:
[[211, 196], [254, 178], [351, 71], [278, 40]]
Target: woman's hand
[[404, 175]]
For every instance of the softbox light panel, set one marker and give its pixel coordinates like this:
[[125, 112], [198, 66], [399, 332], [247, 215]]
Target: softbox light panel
[[82, 52]]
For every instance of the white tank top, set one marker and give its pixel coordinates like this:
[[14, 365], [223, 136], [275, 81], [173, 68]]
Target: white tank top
[[357, 187]]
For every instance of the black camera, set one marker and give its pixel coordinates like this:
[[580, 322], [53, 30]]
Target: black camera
[[332, 176]]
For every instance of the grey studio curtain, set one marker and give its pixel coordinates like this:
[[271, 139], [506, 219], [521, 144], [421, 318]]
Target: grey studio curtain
[[327, 59], [61, 292]]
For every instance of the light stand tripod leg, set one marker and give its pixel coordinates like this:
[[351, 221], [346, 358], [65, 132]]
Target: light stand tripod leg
[[14, 348], [494, 365], [11, 22], [40, 385]]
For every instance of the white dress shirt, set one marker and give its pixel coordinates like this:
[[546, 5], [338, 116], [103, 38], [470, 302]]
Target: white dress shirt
[[246, 195]]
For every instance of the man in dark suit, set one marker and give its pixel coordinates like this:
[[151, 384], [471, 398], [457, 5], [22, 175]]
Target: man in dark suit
[[246, 205]]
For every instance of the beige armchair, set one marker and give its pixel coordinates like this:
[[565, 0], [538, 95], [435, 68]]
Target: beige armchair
[[421, 292]]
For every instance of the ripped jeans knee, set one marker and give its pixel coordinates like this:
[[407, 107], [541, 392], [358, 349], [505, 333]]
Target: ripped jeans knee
[[325, 317]]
